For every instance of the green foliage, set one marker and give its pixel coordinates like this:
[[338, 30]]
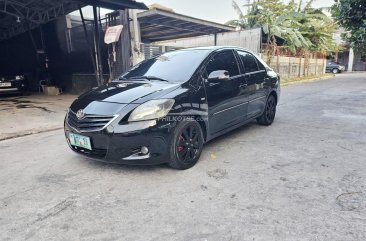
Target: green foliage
[[351, 14], [297, 23], [315, 26], [242, 21]]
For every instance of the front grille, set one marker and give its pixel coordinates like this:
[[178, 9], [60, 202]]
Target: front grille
[[96, 153], [89, 123]]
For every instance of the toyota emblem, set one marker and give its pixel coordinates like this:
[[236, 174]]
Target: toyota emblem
[[80, 114]]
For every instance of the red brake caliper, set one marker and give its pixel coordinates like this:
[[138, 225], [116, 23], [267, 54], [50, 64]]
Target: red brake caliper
[[180, 148]]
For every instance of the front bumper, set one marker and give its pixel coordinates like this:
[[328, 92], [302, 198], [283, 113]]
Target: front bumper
[[9, 90], [121, 144], [16, 86]]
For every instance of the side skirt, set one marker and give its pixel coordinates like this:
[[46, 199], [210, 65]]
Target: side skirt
[[231, 128]]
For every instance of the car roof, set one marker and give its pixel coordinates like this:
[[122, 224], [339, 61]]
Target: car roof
[[214, 48]]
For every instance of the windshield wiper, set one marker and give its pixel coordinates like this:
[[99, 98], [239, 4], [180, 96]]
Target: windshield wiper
[[149, 78]]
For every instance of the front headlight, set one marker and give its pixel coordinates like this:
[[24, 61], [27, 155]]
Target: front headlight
[[19, 77], [153, 109]]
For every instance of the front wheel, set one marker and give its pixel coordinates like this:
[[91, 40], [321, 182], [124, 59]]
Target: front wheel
[[335, 71], [269, 113], [187, 145]]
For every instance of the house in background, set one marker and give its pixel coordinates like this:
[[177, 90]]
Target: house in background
[[353, 61]]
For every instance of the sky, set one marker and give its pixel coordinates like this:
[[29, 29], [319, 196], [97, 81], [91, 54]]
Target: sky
[[219, 11]]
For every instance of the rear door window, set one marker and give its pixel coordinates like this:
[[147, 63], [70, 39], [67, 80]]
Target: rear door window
[[223, 60], [260, 65], [249, 62]]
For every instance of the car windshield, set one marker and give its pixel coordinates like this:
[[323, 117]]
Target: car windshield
[[177, 66]]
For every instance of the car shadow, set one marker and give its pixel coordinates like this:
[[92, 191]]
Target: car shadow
[[232, 134], [154, 168], [124, 167], [9, 95]]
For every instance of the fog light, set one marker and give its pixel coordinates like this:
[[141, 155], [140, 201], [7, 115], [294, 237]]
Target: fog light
[[144, 150], [110, 129]]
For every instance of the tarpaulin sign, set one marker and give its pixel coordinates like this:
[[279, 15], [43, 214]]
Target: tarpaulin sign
[[112, 34]]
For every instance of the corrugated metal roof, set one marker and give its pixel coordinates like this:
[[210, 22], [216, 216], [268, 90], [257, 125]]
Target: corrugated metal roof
[[159, 25], [17, 16]]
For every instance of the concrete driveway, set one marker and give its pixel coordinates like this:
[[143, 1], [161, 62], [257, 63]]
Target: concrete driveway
[[303, 178], [25, 115]]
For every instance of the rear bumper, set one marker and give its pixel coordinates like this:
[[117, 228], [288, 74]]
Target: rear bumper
[[123, 144]]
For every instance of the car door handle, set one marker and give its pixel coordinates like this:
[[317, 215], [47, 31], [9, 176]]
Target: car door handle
[[243, 86], [213, 84]]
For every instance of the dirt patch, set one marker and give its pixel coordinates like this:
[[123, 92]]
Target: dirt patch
[[218, 174]]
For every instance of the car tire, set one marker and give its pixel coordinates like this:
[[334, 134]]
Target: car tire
[[187, 145], [335, 71], [269, 113]]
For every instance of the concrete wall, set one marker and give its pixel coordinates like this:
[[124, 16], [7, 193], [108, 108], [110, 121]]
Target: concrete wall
[[249, 39], [290, 67], [287, 67]]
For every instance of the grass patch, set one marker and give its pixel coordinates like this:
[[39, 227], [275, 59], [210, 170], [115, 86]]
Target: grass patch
[[288, 81]]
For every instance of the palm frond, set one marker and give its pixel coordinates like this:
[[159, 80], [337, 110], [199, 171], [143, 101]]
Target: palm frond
[[237, 8]]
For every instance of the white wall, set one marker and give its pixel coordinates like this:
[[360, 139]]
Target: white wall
[[249, 39]]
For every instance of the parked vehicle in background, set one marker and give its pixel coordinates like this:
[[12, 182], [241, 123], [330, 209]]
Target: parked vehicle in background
[[14, 84], [334, 68], [164, 109]]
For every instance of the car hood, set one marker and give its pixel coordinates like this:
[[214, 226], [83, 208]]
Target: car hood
[[136, 92]]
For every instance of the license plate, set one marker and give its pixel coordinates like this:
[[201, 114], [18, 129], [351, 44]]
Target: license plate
[[5, 84], [80, 141]]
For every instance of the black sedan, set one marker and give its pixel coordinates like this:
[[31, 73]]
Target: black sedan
[[164, 109], [14, 84]]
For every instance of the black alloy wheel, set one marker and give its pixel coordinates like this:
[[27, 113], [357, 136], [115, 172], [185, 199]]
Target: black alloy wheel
[[187, 146], [269, 113]]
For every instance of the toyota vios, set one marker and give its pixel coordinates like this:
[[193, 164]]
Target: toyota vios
[[164, 109]]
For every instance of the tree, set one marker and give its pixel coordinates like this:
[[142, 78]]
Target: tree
[[315, 26], [278, 20], [242, 22], [351, 15], [298, 24]]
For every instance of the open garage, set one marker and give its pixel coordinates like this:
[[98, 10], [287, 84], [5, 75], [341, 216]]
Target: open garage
[[35, 46], [41, 42]]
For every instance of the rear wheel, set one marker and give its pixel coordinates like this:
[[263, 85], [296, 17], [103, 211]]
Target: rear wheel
[[269, 113], [187, 145]]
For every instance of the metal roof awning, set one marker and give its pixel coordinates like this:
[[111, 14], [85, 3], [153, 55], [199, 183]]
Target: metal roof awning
[[17, 16], [116, 4], [159, 25]]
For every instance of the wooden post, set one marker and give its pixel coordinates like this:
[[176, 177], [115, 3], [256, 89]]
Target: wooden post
[[277, 64], [300, 66], [304, 70], [316, 64], [310, 56]]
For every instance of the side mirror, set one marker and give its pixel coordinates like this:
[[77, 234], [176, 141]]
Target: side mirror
[[219, 75], [268, 68]]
